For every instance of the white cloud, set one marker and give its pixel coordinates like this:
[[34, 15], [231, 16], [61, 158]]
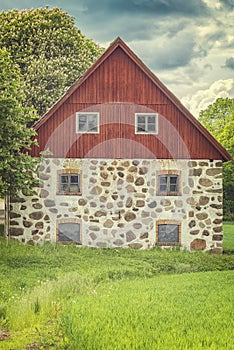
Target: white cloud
[[203, 98]]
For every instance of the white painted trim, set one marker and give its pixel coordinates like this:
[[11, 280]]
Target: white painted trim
[[146, 133], [88, 113]]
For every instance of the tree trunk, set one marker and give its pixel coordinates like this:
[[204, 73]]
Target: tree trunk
[[7, 217]]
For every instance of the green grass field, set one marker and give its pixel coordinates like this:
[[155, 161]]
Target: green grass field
[[68, 297]]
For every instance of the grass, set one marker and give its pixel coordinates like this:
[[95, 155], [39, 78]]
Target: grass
[[156, 314], [228, 242], [62, 297]]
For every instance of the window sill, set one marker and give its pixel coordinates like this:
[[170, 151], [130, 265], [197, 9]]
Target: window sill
[[172, 194], [69, 193], [168, 244]]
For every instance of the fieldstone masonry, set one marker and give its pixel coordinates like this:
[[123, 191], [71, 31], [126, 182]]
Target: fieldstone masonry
[[119, 207]]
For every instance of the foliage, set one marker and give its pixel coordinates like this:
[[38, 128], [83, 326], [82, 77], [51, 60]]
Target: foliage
[[50, 51], [218, 118], [16, 138]]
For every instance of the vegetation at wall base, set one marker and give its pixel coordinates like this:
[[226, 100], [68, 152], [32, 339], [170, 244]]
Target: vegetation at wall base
[[69, 297]]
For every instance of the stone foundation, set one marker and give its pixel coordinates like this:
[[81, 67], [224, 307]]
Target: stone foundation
[[119, 206]]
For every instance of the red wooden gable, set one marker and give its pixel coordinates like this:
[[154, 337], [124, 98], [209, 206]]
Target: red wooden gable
[[117, 86]]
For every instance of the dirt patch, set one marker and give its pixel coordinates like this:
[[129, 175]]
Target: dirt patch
[[4, 335]]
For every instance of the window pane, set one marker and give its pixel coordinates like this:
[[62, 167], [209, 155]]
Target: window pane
[[65, 187], [69, 232], [64, 179], [151, 119], [168, 233], [141, 123], [162, 183], [141, 127], [92, 122], [74, 188], [151, 127], [82, 122], [141, 119], [173, 183], [74, 179]]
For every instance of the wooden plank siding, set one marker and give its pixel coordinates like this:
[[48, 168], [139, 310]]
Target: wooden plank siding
[[118, 88]]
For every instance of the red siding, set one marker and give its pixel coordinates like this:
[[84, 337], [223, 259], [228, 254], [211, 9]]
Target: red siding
[[117, 89]]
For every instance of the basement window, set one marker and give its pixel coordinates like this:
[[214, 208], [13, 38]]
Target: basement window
[[87, 123], [168, 233], [69, 232], [146, 123]]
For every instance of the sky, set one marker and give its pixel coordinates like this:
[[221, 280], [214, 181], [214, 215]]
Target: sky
[[188, 44]]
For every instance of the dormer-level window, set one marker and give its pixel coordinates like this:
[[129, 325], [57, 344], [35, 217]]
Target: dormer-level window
[[87, 123], [146, 123]]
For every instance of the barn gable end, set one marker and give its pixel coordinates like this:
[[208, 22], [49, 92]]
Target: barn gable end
[[145, 172], [117, 86]]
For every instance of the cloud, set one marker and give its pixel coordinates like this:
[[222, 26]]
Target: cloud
[[203, 98], [229, 4], [229, 63], [152, 7]]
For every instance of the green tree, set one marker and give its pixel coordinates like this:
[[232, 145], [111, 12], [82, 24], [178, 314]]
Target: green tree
[[16, 138], [50, 51], [218, 118]]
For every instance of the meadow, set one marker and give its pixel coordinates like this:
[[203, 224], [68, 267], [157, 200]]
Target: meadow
[[68, 297]]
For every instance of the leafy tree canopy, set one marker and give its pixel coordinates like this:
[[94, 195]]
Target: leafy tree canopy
[[50, 51], [16, 165], [218, 118]]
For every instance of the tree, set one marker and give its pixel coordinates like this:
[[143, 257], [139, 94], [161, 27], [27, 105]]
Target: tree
[[218, 118], [50, 51], [16, 138]]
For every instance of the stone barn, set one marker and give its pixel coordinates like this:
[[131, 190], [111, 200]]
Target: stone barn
[[129, 166]]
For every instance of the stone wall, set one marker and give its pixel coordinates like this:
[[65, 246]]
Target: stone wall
[[119, 206]]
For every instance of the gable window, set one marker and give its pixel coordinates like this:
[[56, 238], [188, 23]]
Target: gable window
[[146, 123], [168, 233], [68, 231], [168, 183], [69, 182], [87, 122]]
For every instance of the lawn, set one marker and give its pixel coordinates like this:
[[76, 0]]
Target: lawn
[[228, 242], [68, 297]]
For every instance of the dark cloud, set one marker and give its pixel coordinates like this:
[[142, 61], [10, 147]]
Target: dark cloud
[[151, 7], [229, 4], [229, 63]]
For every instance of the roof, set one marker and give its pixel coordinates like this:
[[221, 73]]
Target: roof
[[119, 43]]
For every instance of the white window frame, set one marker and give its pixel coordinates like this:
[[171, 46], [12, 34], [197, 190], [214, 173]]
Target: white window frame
[[78, 114], [146, 115]]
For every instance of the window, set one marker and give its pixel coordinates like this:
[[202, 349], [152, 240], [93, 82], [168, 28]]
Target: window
[[146, 123], [87, 122], [168, 233], [168, 183], [69, 231], [69, 182]]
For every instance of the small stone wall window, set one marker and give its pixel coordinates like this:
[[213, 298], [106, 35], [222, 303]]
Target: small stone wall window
[[69, 182], [168, 183], [87, 123], [146, 123], [68, 231], [168, 233]]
